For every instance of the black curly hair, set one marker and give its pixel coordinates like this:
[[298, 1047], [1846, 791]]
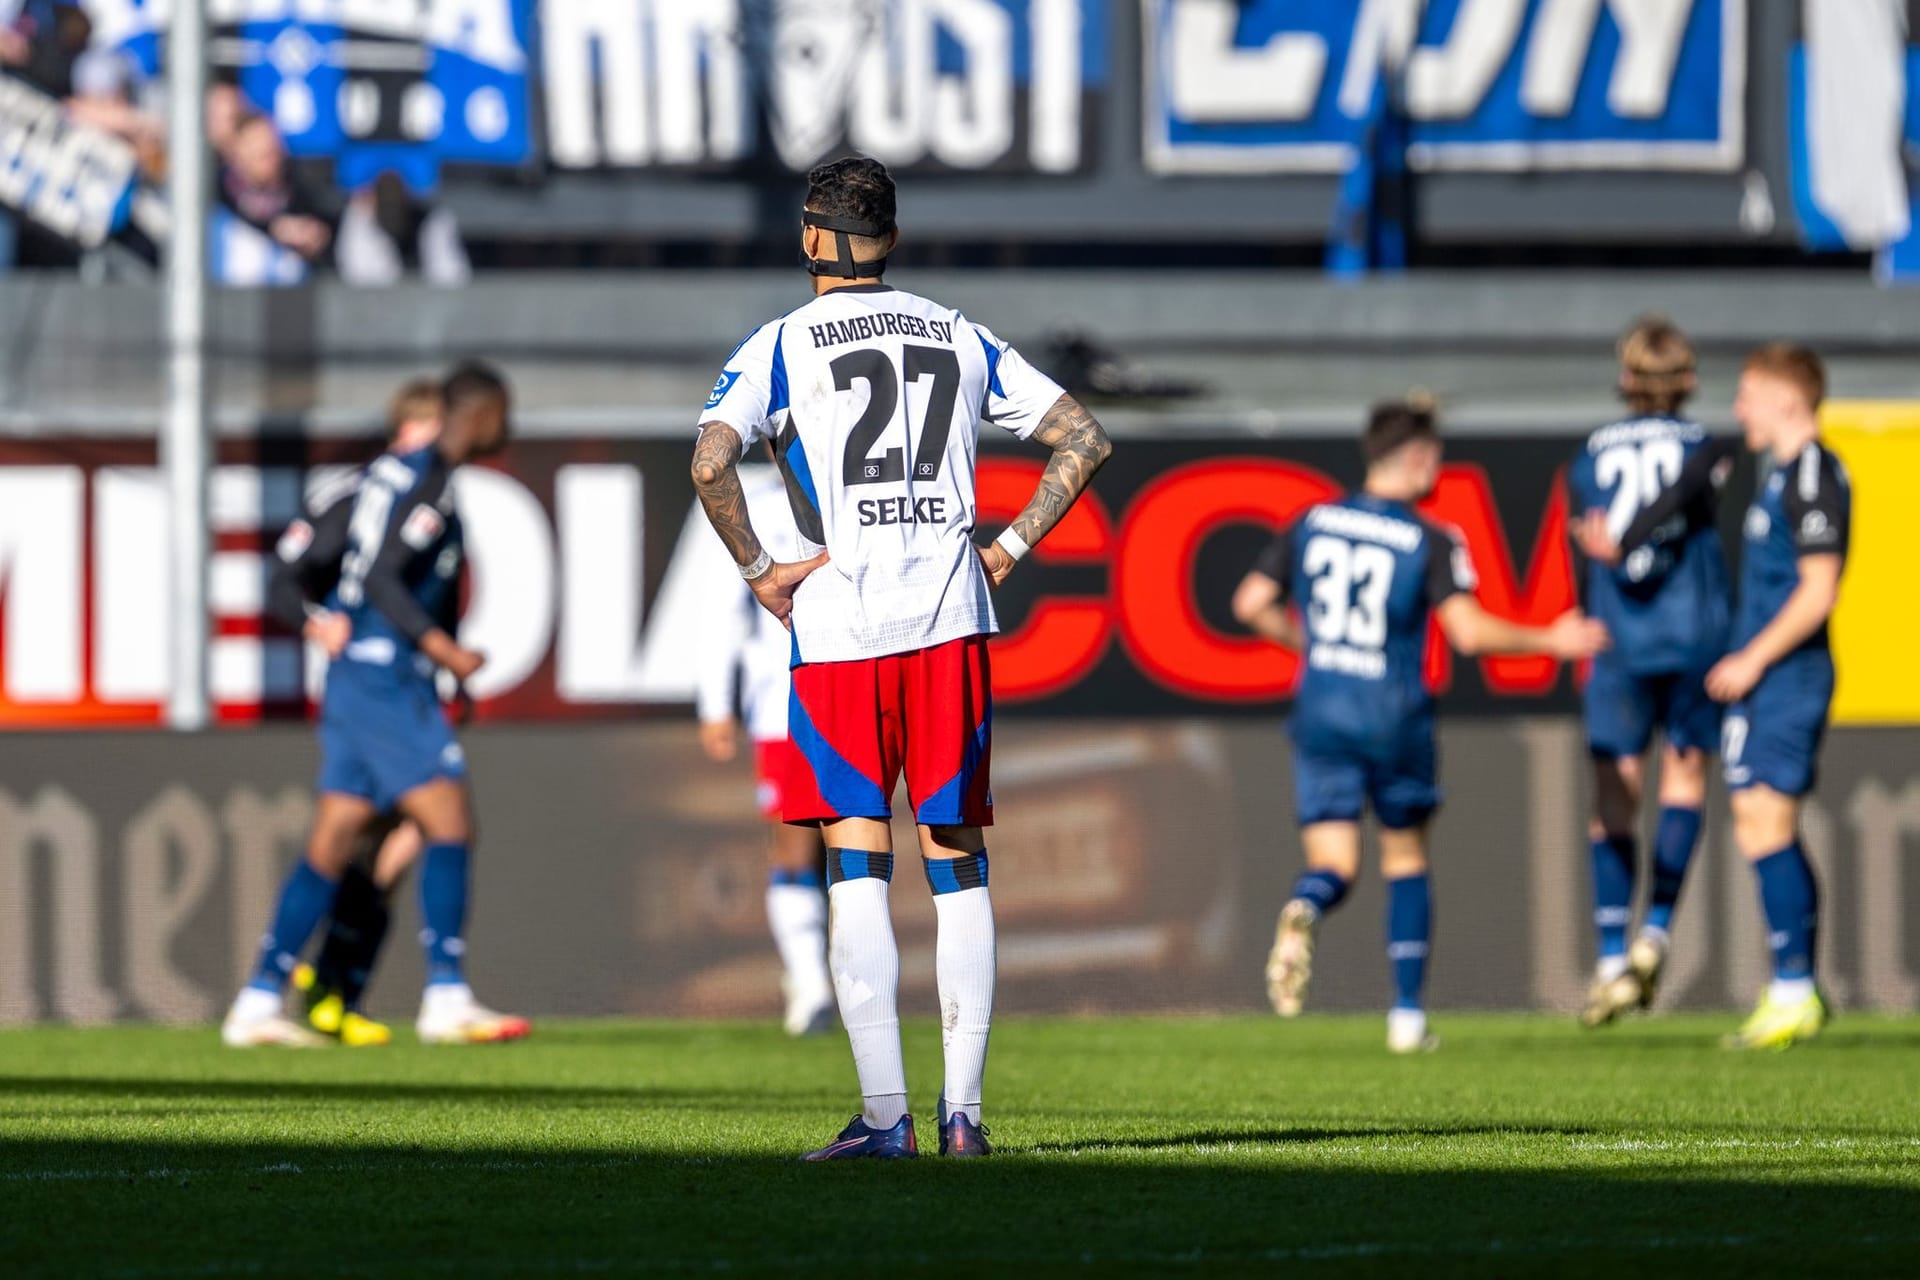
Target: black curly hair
[[853, 187]]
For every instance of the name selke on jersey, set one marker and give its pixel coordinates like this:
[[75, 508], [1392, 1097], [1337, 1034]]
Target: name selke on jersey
[[873, 399]]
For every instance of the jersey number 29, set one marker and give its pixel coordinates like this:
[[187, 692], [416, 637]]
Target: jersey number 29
[[1636, 473], [872, 366]]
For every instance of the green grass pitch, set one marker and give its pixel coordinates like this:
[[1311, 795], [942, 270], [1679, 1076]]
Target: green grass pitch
[[1138, 1146]]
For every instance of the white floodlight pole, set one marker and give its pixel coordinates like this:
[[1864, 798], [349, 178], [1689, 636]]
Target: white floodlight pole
[[186, 445]]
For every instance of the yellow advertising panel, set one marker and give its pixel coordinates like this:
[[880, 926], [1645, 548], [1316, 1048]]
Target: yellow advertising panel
[[1876, 632]]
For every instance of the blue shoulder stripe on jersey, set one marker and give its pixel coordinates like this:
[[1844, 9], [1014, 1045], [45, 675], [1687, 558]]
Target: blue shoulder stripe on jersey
[[777, 395], [993, 366]]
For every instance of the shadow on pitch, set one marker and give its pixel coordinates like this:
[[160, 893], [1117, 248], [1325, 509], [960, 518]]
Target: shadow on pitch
[[365, 1210], [373, 1092]]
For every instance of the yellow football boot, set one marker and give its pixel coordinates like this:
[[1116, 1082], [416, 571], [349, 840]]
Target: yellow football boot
[[357, 1031], [1776, 1025], [328, 1014]]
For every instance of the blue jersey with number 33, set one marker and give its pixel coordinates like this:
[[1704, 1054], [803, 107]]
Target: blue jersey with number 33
[[1366, 573]]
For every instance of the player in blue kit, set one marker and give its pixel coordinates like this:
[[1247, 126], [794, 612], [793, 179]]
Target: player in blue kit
[[1666, 607], [385, 742], [1778, 680], [307, 564], [1368, 571]]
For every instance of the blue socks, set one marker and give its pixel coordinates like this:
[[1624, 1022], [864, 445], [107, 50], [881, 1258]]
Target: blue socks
[[1323, 889], [1791, 901], [443, 911], [1673, 845], [305, 899], [1409, 925], [808, 879], [1613, 858], [1409, 931]]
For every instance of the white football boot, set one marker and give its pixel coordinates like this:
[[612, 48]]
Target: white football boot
[[450, 1015], [1647, 959], [258, 1019], [1407, 1032], [1290, 963]]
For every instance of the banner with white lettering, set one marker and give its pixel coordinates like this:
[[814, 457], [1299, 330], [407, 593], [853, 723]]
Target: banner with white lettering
[[386, 85], [964, 85], [80, 183], [1269, 86]]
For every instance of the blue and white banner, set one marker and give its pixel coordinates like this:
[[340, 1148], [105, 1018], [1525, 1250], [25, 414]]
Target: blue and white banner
[[962, 85], [1274, 86], [77, 182], [377, 85]]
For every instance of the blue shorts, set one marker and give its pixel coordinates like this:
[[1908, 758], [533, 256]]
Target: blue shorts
[[382, 739], [1623, 710], [1336, 786], [1773, 735]]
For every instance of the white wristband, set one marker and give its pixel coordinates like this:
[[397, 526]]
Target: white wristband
[[758, 568], [1013, 544]]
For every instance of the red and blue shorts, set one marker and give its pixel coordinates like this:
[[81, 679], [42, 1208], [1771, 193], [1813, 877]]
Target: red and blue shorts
[[856, 726]]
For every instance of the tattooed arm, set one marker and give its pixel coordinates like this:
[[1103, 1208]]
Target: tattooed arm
[[716, 477], [1080, 447]]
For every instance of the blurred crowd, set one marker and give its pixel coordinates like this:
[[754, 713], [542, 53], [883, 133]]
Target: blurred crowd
[[273, 220]]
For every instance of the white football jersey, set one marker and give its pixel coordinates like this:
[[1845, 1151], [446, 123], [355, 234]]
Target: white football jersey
[[743, 647], [873, 400]]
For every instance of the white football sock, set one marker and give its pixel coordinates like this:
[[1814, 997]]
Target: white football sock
[[963, 962], [255, 1005], [798, 916], [1791, 990], [866, 977]]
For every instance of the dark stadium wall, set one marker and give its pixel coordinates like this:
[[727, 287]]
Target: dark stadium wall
[[1138, 864], [590, 565]]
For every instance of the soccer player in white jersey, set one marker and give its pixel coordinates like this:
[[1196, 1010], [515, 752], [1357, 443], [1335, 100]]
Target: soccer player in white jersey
[[873, 399], [743, 660]]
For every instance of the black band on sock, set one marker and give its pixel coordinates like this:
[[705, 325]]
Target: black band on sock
[[951, 875], [858, 864]]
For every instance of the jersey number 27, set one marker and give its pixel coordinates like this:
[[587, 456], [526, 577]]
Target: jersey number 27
[[872, 366]]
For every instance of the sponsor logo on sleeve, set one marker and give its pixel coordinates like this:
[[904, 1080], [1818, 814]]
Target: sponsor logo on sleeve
[[422, 527], [720, 388]]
